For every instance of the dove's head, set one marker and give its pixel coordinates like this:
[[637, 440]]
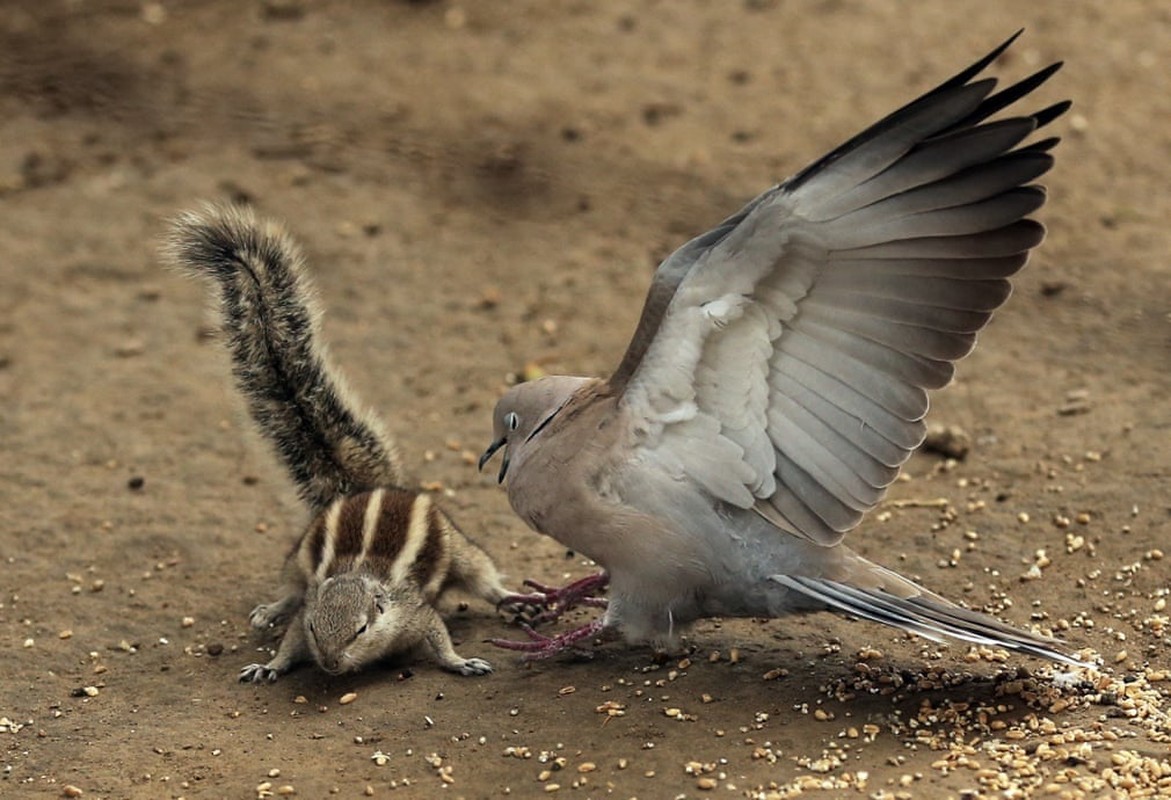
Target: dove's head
[[524, 411]]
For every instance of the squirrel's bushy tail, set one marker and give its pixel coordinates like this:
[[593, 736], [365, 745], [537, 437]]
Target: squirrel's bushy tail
[[269, 318]]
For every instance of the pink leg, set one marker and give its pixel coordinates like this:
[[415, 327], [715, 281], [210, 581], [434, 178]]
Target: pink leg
[[553, 602], [540, 646]]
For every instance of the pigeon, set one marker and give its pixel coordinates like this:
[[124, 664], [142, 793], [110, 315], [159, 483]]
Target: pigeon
[[778, 380]]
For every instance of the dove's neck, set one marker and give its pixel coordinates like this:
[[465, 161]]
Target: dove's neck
[[554, 474]]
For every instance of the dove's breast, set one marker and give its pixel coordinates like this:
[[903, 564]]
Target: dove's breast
[[568, 486]]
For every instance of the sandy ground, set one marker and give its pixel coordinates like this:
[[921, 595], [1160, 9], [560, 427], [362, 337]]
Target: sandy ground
[[484, 185]]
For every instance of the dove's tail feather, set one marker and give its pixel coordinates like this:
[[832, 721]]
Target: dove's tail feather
[[927, 615], [269, 320]]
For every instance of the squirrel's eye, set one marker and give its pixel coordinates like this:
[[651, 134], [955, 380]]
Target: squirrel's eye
[[363, 628], [512, 420]]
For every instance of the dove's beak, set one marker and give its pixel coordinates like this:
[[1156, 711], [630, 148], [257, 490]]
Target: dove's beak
[[491, 451]]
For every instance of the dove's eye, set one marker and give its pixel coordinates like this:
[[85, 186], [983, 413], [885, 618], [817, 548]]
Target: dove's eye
[[511, 420]]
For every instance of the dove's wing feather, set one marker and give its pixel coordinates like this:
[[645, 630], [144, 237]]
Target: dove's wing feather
[[783, 359], [667, 279]]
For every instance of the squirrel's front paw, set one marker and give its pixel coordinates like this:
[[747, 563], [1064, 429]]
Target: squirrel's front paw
[[474, 666], [259, 673], [266, 616]]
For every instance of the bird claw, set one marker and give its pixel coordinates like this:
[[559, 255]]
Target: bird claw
[[540, 646], [550, 602]]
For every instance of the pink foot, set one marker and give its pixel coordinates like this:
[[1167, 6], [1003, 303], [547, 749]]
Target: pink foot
[[552, 602], [540, 646]]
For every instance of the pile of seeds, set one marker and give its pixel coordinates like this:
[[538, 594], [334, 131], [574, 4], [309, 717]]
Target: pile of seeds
[[1039, 737]]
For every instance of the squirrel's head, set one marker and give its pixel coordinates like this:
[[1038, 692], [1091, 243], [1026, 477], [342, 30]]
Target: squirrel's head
[[353, 619]]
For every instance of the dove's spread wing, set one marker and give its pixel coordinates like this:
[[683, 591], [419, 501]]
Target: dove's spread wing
[[783, 359]]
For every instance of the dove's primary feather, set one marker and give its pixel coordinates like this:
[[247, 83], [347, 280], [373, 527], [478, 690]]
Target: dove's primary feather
[[778, 378]]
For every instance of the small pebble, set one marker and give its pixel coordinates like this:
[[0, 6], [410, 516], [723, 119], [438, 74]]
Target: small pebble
[[951, 441], [129, 349]]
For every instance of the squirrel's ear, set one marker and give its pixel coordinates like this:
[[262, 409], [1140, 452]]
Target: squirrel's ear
[[380, 602]]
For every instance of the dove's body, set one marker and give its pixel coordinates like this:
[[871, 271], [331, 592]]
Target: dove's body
[[778, 377], [670, 563]]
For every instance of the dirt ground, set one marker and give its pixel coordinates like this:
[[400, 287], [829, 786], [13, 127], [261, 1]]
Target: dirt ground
[[484, 185]]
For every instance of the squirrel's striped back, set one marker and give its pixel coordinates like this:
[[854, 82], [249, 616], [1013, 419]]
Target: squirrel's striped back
[[393, 534]]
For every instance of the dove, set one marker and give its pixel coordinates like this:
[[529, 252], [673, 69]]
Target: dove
[[778, 380]]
